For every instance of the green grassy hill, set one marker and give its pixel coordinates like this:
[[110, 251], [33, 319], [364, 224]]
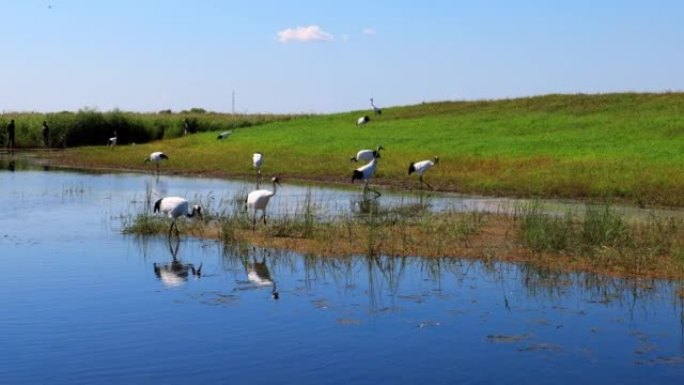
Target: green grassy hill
[[624, 146]]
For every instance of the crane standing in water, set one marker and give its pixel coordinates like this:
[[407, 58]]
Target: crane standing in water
[[258, 200], [176, 207]]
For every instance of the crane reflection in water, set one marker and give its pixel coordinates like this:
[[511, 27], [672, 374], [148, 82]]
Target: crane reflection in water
[[175, 273], [259, 275], [256, 268]]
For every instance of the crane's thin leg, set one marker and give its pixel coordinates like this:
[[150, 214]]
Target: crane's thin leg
[[171, 232], [174, 248], [425, 183], [366, 189]]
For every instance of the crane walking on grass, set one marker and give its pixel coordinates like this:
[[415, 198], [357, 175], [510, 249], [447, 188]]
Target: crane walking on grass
[[376, 110], [176, 207], [363, 120], [421, 168], [258, 200], [156, 158], [367, 155]]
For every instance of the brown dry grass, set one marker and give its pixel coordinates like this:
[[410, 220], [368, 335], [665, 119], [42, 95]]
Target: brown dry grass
[[492, 237]]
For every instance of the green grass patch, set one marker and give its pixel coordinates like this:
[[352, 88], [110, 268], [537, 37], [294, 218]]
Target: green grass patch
[[625, 147]]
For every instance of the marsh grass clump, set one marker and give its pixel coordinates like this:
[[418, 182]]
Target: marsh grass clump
[[233, 217], [468, 225], [601, 227], [143, 224], [228, 226], [659, 236], [300, 224], [540, 232], [604, 227], [655, 238], [601, 238], [445, 231]]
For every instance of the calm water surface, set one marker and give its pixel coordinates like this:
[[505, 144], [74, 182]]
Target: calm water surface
[[84, 304]]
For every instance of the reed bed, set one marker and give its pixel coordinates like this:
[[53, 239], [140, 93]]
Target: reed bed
[[91, 127], [599, 238]]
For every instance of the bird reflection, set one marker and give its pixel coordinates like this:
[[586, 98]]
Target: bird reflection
[[175, 273], [155, 189], [365, 205], [259, 275]]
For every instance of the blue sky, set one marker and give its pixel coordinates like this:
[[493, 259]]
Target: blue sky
[[328, 56]]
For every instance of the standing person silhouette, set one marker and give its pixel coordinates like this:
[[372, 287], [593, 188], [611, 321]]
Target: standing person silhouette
[[10, 135], [46, 134], [186, 126]]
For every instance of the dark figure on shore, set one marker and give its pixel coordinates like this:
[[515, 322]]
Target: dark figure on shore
[[186, 126], [46, 134], [111, 142], [10, 135]]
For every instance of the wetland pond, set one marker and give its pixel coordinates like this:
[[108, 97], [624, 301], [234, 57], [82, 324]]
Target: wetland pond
[[84, 304]]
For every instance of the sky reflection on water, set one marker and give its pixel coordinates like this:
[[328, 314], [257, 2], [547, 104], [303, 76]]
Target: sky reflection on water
[[83, 303]]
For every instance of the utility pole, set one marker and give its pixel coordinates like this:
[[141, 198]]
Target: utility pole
[[232, 109]]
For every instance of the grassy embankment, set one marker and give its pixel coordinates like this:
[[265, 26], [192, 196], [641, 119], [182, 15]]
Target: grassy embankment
[[624, 147], [618, 148]]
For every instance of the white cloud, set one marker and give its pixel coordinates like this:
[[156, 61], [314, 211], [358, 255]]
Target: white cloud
[[304, 34], [368, 31]]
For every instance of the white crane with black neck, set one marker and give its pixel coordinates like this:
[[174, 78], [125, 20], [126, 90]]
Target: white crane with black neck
[[258, 200], [176, 207], [421, 168], [367, 155], [365, 173], [156, 158]]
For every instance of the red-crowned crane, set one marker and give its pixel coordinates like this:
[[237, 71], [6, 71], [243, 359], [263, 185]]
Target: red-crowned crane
[[367, 155], [363, 120], [376, 110], [365, 173], [421, 168], [257, 161], [176, 207], [156, 158], [258, 200]]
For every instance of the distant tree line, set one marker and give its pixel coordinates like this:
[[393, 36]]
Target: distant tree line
[[91, 127]]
